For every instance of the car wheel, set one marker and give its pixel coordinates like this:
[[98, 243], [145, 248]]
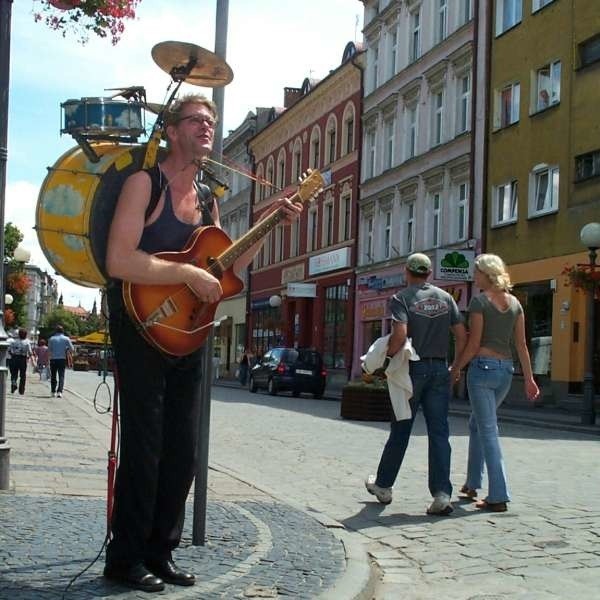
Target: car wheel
[[272, 388], [253, 387]]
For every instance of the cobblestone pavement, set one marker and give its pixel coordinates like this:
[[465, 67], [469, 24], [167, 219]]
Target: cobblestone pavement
[[52, 521], [547, 546]]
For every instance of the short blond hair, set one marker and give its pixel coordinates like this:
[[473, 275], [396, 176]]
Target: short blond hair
[[493, 267], [173, 115]]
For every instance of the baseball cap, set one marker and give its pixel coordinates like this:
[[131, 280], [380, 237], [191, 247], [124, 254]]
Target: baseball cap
[[419, 263]]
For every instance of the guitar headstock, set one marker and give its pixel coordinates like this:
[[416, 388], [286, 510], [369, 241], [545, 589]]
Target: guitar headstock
[[310, 184]]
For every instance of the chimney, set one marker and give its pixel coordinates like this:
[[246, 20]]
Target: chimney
[[291, 96]]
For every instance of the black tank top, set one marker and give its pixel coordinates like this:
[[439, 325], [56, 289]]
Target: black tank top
[[167, 233]]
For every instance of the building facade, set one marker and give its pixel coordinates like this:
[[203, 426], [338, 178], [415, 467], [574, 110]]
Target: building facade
[[421, 189], [543, 169], [302, 281]]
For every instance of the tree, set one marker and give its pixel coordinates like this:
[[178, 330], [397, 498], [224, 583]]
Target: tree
[[59, 316], [12, 238], [16, 282]]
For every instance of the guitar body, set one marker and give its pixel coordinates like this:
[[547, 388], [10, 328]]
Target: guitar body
[[171, 317]]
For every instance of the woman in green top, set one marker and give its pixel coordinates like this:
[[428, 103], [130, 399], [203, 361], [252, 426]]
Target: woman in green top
[[495, 321]]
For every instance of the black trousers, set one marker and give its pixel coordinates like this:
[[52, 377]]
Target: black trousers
[[159, 403], [18, 370], [57, 370]]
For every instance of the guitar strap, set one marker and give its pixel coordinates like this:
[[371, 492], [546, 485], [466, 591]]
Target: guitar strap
[[205, 198]]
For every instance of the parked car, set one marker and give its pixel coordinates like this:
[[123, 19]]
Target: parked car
[[289, 369]]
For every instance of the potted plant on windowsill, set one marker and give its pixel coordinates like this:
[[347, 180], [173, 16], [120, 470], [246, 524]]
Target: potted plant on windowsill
[[102, 17], [366, 399]]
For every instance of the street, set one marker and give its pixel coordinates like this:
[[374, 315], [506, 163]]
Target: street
[[546, 546]]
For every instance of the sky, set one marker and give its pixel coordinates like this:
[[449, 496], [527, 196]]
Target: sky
[[271, 44]]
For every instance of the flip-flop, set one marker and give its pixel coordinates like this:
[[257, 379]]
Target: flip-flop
[[491, 506], [468, 492]]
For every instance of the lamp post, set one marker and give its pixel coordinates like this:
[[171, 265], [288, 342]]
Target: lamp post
[[590, 238]]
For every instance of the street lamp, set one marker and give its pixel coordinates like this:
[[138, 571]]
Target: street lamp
[[590, 238]]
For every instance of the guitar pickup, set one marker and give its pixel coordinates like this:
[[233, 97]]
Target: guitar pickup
[[164, 311]]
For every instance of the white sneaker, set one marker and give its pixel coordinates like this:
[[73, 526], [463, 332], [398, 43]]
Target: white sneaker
[[58, 395], [441, 505], [384, 495]]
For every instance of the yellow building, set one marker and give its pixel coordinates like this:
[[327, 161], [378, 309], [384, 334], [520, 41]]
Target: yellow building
[[543, 179]]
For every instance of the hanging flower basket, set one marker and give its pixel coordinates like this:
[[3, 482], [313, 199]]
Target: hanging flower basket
[[102, 17], [582, 277]]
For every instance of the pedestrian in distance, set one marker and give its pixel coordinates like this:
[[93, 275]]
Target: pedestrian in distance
[[496, 321], [20, 354], [244, 366], [41, 355], [60, 351], [427, 315], [160, 394]]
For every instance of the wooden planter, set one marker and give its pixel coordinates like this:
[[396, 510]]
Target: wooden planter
[[363, 403]]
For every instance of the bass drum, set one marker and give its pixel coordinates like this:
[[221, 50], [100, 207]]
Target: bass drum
[[76, 205]]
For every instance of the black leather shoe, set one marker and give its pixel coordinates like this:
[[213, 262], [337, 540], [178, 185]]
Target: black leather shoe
[[136, 576], [168, 571]]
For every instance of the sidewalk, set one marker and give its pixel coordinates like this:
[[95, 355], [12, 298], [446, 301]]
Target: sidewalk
[[543, 417], [53, 520]]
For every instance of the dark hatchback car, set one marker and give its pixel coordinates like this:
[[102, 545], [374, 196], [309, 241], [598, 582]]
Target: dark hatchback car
[[290, 369]]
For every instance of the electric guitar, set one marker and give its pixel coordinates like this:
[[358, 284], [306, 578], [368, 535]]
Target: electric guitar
[[171, 317]]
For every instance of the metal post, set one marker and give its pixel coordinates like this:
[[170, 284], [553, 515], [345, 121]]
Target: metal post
[[588, 415], [201, 483], [5, 16]]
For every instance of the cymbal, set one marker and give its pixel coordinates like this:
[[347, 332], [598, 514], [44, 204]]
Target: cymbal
[[192, 64], [153, 107]]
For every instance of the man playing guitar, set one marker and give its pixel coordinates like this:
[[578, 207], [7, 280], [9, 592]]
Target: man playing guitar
[[159, 392]]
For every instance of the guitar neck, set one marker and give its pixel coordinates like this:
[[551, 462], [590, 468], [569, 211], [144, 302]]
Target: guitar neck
[[259, 231]]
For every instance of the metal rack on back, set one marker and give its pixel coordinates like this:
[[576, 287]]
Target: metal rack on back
[[77, 198]]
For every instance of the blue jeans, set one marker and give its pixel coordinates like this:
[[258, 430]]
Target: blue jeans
[[431, 390], [488, 382]]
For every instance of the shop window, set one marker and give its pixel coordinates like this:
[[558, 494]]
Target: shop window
[[537, 299], [371, 331], [335, 330]]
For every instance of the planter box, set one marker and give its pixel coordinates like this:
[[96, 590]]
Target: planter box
[[365, 404]]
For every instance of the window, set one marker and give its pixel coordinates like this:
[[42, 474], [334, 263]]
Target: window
[[505, 201], [331, 139], [266, 249], [345, 214], [435, 219], [437, 107], [311, 234], [442, 21], [587, 165], [368, 240], [270, 176], [387, 234], [281, 170], [464, 104], [411, 131], [348, 130], [393, 49], [335, 330], [465, 11], [388, 154], [297, 161], [508, 14], [548, 85], [315, 139], [374, 67], [370, 162], [537, 4], [409, 228], [415, 36], [589, 51], [507, 105], [461, 212], [544, 196], [279, 239], [260, 178], [328, 223], [295, 238]]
